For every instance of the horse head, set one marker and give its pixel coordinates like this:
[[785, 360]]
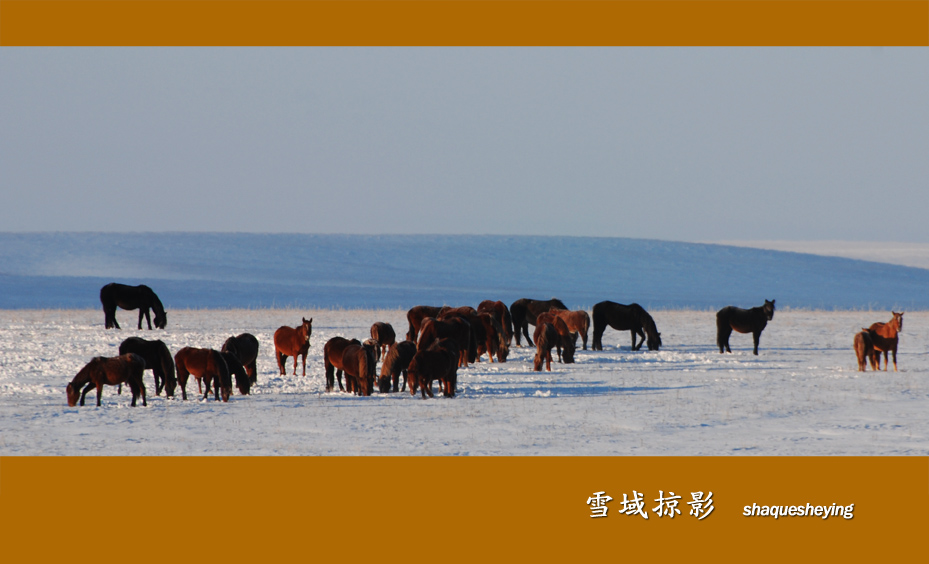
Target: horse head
[[307, 327], [74, 394], [161, 319], [768, 309], [898, 318], [654, 341], [570, 346]]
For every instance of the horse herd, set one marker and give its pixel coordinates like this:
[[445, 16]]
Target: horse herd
[[438, 342]]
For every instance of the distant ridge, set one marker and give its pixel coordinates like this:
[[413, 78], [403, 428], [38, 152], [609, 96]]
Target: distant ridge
[[220, 270]]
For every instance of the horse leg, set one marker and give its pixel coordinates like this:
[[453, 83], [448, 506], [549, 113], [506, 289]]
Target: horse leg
[[597, 344], [895, 358], [756, 336], [86, 389], [99, 393], [584, 337], [548, 360], [722, 337], [304, 364], [295, 364], [281, 357], [338, 374], [159, 382], [141, 314], [526, 333], [252, 369]]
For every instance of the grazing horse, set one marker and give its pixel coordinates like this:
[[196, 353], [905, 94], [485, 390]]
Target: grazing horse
[[293, 341], [242, 381], [495, 343], [112, 371], [140, 297], [332, 358], [385, 336], [566, 338], [502, 314], [456, 328], [577, 321], [415, 317], [546, 337], [206, 365], [469, 314], [632, 317], [438, 362], [864, 350], [358, 362], [885, 339], [751, 321], [524, 312], [158, 358], [395, 363], [245, 348]]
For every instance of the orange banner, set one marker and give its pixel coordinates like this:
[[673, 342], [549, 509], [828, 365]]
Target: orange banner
[[463, 22]]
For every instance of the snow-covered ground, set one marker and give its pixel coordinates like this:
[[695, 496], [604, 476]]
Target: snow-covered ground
[[801, 396]]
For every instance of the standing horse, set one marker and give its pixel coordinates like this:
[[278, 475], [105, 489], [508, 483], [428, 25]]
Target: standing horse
[[111, 371], [438, 362], [293, 341], [524, 312], [502, 314], [864, 350], [566, 338], [456, 328], [245, 349], [546, 337], [632, 317], [242, 380], [578, 321], [495, 343], [206, 365], [885, 338], [158, 358], [385, 336], [140, 297], [396, 363], [332, 358], [744, 321], [415, 318], [358, 362]]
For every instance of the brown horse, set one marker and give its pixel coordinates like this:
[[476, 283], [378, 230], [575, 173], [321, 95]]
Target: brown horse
[[245, 348], [864, 350], [293, 341], [438, 362], [577, 321], [495, 343], [332, 358], [206, 365], [885, 338], [469, 314], [242, 380], [158, 358], [111, 371], [385, 336], [359, 363], [752, 321], [502, 314], [566, 338], [524, 312], [455, 328], [415, 318], [621, 317], [546, 337], [396, 363], [140, 297]]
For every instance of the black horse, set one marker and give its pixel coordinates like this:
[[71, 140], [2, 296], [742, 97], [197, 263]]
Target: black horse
[[158, 358], [245, 348], [632, 317], [524, 312], [744, 321], [140, 297]]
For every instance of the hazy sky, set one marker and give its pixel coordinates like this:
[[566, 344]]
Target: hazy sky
[[666, 143]]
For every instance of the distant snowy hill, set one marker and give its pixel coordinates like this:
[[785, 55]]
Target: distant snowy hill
[[218, 270]]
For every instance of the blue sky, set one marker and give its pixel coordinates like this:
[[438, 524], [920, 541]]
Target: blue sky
[[665, 143]]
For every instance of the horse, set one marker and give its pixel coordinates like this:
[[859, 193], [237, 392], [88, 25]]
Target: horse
[[456, 328], [358, 362], [546, 337], [469, 314], [566, 338], [502, 314], [495, 343], [396, 362], [206, 365], [438, 362], [293, 341], [140, 297], [332, 358], [245, 348], [885, 338], [111, 371], [632, 317], [864, 350], [577, 321], [158, 358], [415, 318], [524, 311], [385, 336], [751, 321], [242, 380]]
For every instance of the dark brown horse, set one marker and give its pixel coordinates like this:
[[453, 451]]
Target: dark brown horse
[[332, 358], [469, 314], [158, 358], [293, 341], [438, 362], [415, 318], [566, 338], [455, 328], [524, 312], [495, 343], [359, 364], [396, 363], [385, 336], [242, 380], [864, 350], [245, 348], [546, 337], [885, 338], [632, 318], [502, 314], [577, 321], [744, 321], [206, 365], [111, 371], [140, 297]]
